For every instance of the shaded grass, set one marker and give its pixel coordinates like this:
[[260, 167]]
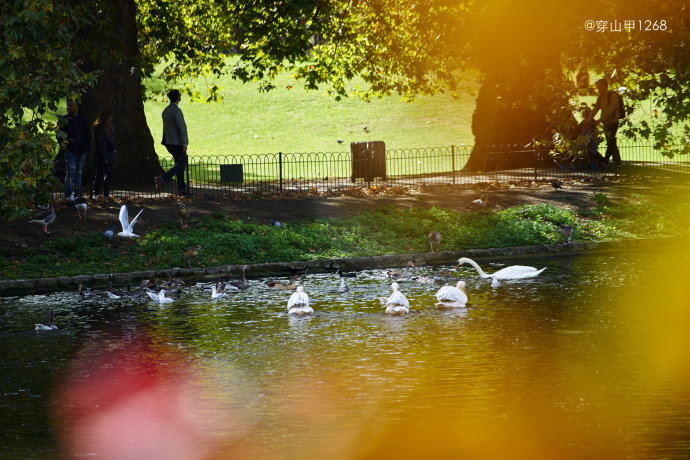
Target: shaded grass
[[387, 230]]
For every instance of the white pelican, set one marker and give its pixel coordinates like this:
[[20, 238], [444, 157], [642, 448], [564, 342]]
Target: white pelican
[[298, 304], [50, 326], [127, 226], [452, 296], [397, 303], [514, 272]]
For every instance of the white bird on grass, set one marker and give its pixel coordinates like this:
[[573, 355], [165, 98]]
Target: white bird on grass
[[514, 272], [81, 206], [452, 296], [50, 326], [127, 226], [298, 304], [397, 303]]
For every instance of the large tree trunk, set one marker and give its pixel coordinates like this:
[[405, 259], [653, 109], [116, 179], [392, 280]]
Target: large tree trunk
[[119, 87], [519, 57], [505, 123]]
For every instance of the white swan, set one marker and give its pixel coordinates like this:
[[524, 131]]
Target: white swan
[[50, 326], [514, 272], [397, 303], [127, 226], [298, 304], [452, 296]]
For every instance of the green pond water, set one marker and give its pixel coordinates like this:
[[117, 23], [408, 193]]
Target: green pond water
[[589, 360]]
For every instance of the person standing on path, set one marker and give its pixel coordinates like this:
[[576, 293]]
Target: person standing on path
[[608, 102], [77, 146], [104, 152], [175, 140]]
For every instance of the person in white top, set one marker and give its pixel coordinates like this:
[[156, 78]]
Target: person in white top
[[609, 104]]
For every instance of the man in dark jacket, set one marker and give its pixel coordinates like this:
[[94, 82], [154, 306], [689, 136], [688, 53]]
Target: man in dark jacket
[[78, 144], [175, 140]]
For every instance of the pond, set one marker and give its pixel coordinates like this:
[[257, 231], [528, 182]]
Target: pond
[[589, 360]]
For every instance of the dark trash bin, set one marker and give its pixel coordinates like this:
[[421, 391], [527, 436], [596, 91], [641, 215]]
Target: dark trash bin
[[368, 160]]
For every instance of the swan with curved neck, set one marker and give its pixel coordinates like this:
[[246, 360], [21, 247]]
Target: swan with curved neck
[[514, 272]]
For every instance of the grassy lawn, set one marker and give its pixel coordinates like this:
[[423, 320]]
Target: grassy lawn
[[294, 120], [297, 121]]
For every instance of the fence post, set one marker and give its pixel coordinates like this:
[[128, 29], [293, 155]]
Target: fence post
[[187, 174], [452, 156], [280, 170]]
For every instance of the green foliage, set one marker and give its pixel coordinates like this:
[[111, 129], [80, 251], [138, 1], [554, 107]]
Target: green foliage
[[387, 230], [37, 69], [601, 198]]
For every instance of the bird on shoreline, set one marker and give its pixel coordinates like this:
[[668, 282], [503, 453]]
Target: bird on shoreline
[[514, 272], [480, 203], [192, 253], [566, 232], [45, 218], [434, 238]]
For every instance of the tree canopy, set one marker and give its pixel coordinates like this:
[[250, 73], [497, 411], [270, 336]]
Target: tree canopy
[[526, 51]]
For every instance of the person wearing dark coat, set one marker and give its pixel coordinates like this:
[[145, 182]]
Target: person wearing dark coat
[[175, 140], [77, 146], [104, 152]]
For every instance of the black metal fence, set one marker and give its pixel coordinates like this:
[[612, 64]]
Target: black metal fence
[[329, 171]]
